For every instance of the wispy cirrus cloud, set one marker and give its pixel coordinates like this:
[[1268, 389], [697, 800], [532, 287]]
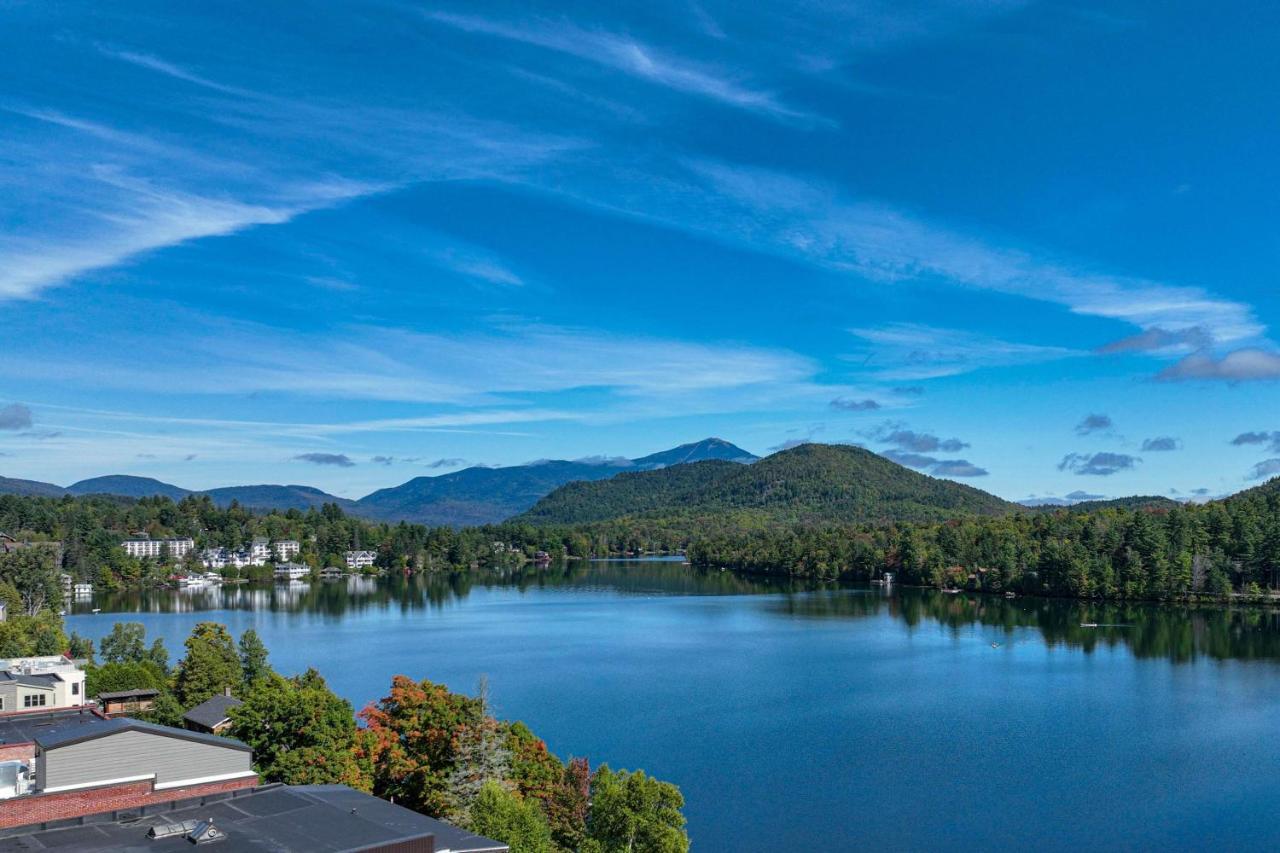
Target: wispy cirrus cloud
[[810, 220], [628, 56], [899, 351]]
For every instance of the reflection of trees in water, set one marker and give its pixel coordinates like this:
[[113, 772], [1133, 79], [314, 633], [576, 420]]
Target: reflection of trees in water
[[1178, 634], [357, 593], [1148, 631]]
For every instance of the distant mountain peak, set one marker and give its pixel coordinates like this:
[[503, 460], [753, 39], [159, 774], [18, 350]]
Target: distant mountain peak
[[696, 451]]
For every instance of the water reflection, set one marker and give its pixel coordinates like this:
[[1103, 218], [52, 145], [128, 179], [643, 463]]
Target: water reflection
[[1177, 634], [1174, 633]]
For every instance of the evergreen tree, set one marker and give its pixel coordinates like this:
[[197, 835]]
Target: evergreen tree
[[253, 657], [210, 667]]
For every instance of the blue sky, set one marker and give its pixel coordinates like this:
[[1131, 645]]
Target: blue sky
[[1027, 245]]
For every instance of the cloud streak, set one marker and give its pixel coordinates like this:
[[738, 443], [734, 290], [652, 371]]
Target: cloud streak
[[628, 56]]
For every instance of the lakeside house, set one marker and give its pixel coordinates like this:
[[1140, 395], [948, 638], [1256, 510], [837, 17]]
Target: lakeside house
[[357, 560], [292, 571], [212, 715], [174, 548], [33, 683]]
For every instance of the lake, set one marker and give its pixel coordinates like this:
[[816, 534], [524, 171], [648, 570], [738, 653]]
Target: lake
[[796, 717]]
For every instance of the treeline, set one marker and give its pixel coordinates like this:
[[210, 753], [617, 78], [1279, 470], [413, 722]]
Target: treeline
[[1164, 554], [427, 748], [90, 530]]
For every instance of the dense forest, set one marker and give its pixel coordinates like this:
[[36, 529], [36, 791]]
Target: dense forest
[[812, 483], [1153, 553]]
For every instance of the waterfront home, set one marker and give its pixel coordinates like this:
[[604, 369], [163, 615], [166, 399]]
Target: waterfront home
[[144, 546], [292, 571], [331, 573], [51, 681], [212, 715], [121, 702], [357, 560]]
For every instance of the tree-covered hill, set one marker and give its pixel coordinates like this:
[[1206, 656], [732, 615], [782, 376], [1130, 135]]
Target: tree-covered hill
[[809, 483]]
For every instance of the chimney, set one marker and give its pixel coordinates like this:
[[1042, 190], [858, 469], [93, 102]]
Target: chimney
[[226, 691]]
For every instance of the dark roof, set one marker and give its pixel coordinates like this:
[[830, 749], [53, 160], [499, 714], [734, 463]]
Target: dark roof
[[301, 819], [129, 694], [25, 727], [43, 680], [59, 737], [212, 712]]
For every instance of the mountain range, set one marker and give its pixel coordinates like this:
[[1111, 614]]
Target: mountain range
[[476, 495], [812, 482]]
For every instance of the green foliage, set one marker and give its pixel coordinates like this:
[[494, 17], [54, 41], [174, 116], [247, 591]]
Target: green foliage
[[507, 817], [302, 733], [211, 665], [25, 636], [33, 573], [253, 657], [124, 675], [127, 643], [810, 483], [633, 812]]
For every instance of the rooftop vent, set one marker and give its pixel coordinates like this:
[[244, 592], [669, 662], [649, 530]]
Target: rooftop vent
[[168, 830], [206, 833]]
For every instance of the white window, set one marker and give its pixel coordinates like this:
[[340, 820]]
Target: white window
[[34, 700]]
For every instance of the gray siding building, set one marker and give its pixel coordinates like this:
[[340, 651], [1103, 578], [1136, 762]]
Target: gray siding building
[[126, 750]]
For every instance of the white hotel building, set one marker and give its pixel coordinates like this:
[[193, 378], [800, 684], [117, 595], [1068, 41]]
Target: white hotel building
[[154, 548]]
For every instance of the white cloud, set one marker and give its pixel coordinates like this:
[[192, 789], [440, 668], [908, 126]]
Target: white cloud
[[908, 351], [628, 56], [817, 223]]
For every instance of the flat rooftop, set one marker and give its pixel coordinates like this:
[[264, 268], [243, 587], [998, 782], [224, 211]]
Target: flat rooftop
[[27, 727], [281, 818]]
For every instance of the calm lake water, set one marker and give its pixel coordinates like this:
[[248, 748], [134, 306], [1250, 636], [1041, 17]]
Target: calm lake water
[[803, 718]]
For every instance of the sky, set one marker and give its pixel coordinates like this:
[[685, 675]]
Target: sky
[[1028, 246]]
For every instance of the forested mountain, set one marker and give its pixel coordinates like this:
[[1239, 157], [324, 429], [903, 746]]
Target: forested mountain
[[127, 486], [489, 495], [813, 482], [268, 497], [30, 488]]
